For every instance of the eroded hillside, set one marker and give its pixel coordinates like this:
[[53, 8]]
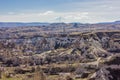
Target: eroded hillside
[[75, 56]]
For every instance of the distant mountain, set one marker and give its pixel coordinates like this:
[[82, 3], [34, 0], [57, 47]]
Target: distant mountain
[[58, 25], [115, 22], [20, 24]]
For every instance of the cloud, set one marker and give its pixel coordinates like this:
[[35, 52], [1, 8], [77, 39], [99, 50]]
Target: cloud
[[50, 16], [47, 16], [76, 16], [94, 5], [48, 12], [11, 13]]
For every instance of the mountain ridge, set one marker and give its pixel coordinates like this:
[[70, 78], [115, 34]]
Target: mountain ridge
[[21, 24]]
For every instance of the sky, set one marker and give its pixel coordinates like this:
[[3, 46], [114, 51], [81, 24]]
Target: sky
[[83, 11]]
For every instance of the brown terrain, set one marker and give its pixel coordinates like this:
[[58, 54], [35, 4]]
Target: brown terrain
[[60, 51]]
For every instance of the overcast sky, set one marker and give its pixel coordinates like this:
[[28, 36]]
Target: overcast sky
[[84, 11]]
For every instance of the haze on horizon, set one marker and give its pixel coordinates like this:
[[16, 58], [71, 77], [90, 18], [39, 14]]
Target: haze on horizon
[[85, 11]]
